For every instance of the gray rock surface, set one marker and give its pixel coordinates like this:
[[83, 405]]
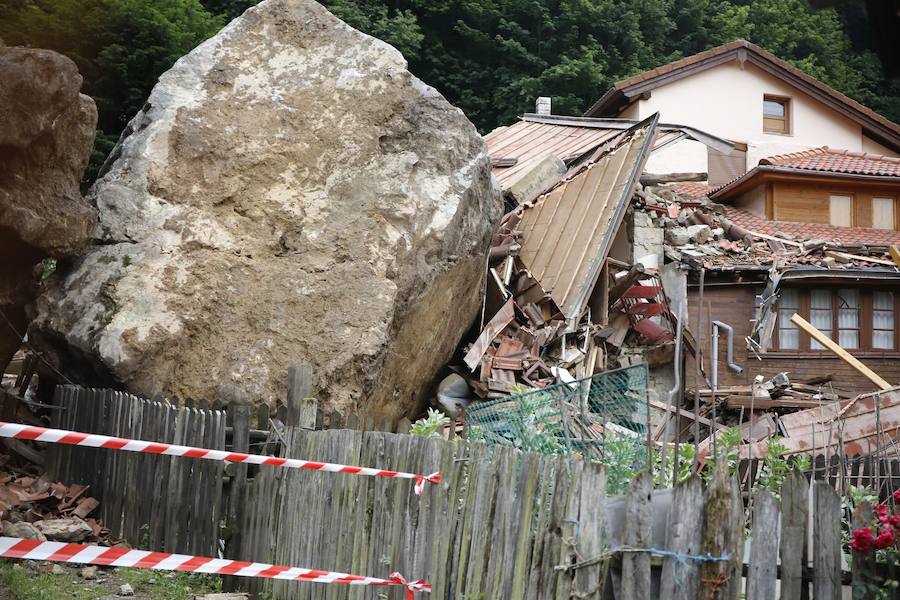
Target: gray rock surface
[[46, 133], [289, 193], [23, 530], [70, 529]]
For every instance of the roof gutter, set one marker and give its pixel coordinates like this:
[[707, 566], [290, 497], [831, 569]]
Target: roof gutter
[[716, 143]]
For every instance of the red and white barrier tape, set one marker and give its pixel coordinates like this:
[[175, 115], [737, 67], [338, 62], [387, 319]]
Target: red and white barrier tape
[[91, 440], [143, 559]]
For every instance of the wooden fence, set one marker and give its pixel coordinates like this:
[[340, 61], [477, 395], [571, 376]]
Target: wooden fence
[[502, 524], [496, 527], [165, 503]]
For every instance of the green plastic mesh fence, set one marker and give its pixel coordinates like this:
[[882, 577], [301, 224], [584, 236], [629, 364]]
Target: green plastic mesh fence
[[601, 418]]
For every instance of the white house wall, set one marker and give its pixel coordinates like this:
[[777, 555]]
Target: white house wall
[[726, 101]]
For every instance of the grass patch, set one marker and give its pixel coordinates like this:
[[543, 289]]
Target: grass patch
[[169, 585], [25, 584]]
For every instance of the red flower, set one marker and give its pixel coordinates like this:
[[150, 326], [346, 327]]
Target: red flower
[[897, 496], [885, 539], [863, 540], [881, 511]]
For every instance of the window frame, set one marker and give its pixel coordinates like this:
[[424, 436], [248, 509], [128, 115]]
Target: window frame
[[853, 205], [787, 119], [865, 323], [896, 224]]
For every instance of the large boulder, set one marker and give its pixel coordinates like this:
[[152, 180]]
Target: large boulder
[[289, 193], [46, 133]]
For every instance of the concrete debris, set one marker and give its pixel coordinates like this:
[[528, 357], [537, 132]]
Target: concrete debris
[[64, 530], [22, 530], [126, 590]]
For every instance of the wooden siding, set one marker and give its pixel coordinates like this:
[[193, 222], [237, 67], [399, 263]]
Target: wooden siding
[[809, 202], [733, 305]]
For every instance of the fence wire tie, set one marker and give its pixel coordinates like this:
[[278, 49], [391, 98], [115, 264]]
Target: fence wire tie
[[678, 556]]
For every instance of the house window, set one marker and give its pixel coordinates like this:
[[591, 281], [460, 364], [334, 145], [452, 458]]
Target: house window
[[821, 314], [841, 210], [776, 115], [848, 318], [788, 334], [883, 213], [883, 305], [858, 319]]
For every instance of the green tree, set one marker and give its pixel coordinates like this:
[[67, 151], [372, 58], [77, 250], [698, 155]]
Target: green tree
[[120, 46]]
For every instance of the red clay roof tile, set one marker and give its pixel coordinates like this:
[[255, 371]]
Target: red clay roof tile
[[837, 161], [849, 236]]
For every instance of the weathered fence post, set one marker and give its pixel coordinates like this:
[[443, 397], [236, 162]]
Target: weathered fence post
[[636, 565], [680, 576], [826, 542], [240, 442], [794, 517], [299, 389], [735, 587], [719, 532], [763, 548]]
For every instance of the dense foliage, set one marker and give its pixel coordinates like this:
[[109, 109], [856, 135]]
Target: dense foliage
[[490, 57]]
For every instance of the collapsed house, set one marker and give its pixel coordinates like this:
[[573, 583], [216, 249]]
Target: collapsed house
[[595, 266]]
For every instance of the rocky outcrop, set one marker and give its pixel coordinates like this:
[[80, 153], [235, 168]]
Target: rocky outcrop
[[46, 133], [289, 193]]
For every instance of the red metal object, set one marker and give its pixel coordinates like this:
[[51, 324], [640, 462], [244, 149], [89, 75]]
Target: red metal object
[[642, 302]]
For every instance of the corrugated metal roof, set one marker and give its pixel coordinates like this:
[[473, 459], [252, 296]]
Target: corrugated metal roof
[[568, 231], [569, 138]]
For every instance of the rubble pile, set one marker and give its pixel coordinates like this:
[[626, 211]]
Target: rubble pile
[[698, 233], [36, 507], [527, 342]]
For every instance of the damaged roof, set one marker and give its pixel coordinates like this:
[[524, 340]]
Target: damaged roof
[[569, 138], [626, 91], [844, 236], [837, 161], [819, 162], [568, 231]]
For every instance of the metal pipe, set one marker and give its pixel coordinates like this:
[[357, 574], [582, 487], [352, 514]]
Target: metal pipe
[[676, 388], [729, 336]]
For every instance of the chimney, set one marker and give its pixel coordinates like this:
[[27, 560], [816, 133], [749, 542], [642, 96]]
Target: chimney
[[542, 105]]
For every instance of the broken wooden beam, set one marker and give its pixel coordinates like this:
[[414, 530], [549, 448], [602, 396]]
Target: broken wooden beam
[[759, 403], [840, 352], [626, 281]]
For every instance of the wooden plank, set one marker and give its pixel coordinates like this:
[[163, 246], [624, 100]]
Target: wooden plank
[[569, 530], [638, 520], [826, 542], [680, 578], [840, 352], [762, 573], [794, 517], [176, 483], [240, 441], [589, 580], [719, 535], [299, 388], [735, 588], [481, 510], [158, 516], [895, 255]]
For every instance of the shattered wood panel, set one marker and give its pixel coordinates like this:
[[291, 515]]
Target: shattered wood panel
[[526, 140], [856, 424], [568, 232]]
